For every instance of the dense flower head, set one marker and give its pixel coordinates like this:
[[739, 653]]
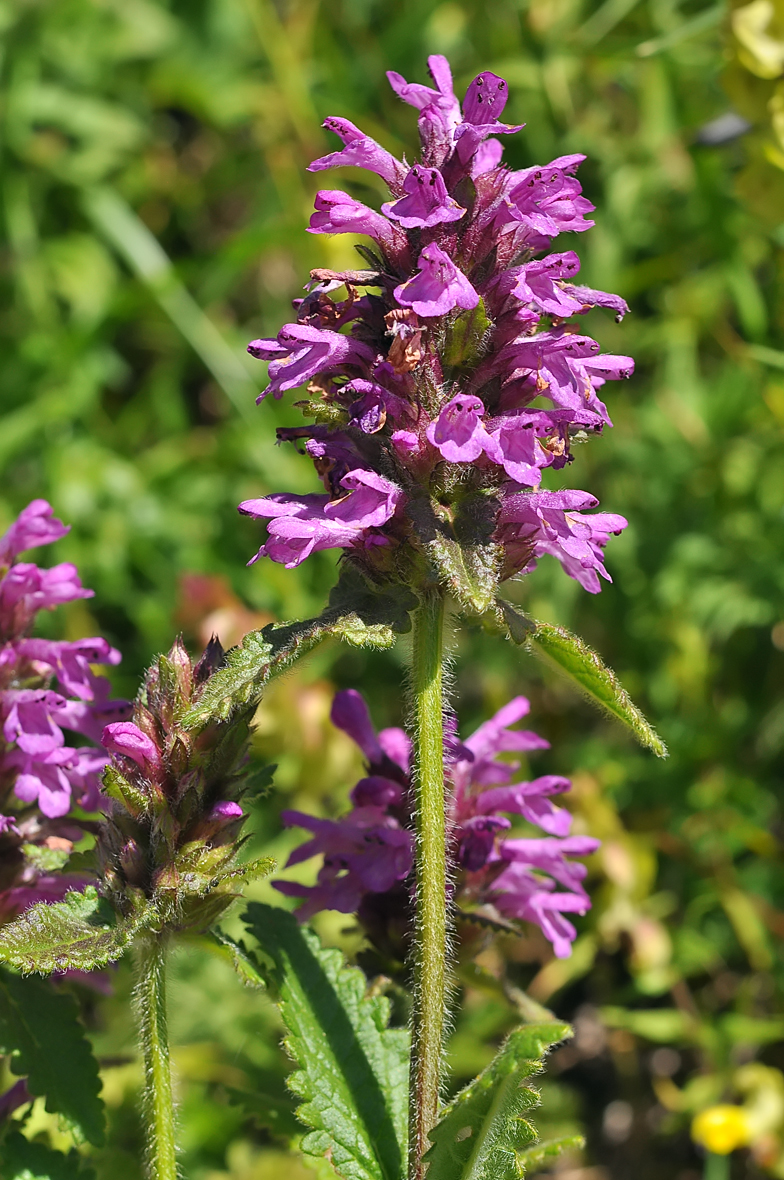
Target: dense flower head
[[174, 799], [50, 695], [499, 873], [454, 365]]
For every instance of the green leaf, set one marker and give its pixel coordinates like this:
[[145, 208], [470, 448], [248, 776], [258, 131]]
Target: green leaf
[[40, 1028], [23, 1160], [483, 1135], [572, 656], [357, 613], [236, 954], [72, 934], [540, 1154], [353, 1075]]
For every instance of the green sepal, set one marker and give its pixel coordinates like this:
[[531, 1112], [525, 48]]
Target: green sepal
[[72, 934], [484, 1134], [353, 1069], [572, 656], [458, 542], [465, 338], [357, 613], [40, 1029], [117, 787], [23, 1160]]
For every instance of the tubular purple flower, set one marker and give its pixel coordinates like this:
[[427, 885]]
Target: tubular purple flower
[[362, 152], [338, 213], [426, 202], [438, 288], [301, 352], [546, 521], [35, 525], [459, 433]]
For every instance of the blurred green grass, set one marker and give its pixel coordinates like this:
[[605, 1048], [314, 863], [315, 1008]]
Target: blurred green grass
[[154, 199]]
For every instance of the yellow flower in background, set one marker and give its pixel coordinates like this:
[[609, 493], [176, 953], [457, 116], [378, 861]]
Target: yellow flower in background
[[721, 1129]]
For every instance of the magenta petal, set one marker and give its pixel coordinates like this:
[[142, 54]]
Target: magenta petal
[[438, 288]]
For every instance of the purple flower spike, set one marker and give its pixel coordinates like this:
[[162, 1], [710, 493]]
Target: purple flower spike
[[426, 202], [123, 737], [459, 433], [438, 288], [338, 213], [362, 152], [35, 525]]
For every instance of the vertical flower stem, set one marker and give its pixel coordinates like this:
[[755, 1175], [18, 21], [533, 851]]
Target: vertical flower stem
[[151, 1015], [430, 950]]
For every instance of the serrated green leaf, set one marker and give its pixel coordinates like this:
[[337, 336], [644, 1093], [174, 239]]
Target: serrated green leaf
[[23, 1160], [353, 1075], [484, 1132], [572, 656], [538, 1155], [237, 955], [71, 934], [358, 613], [40, 1028]]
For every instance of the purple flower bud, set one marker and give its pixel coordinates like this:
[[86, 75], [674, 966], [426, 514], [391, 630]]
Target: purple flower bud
[[438, 288], [361, 151], [35, 525], [126, 739], [225, 810], [459, 433], [426, 202]]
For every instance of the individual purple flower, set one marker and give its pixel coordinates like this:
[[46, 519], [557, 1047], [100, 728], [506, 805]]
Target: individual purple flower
[[484, 103], [338, 213], [438, 288], [35, 525], [362, 152], [519, 451], [459, 432], [439, 109], [300, 352], [301, 525], [426, 201], [368, 852], [547, 200], [549, 523]]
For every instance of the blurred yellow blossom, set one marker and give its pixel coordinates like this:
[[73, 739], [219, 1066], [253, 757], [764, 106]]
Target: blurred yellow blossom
[[721, 1129]]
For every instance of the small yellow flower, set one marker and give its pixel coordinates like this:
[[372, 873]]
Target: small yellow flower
[[721, 1129]]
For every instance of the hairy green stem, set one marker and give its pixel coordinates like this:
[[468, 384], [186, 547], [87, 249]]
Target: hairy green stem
[[158, 1101], [430, 949]]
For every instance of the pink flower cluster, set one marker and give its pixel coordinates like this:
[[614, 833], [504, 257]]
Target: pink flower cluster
[[47, 690], [451, 364], [369, 851]]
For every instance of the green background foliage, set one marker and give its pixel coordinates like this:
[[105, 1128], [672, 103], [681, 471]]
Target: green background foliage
[[152, 215]]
